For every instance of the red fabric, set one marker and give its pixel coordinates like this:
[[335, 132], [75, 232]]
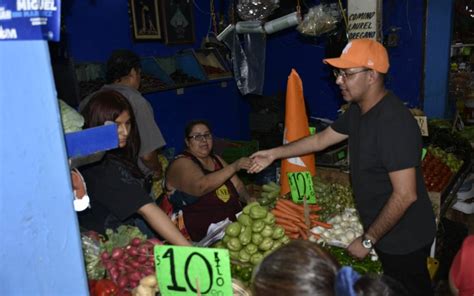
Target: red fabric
[[462, 269]]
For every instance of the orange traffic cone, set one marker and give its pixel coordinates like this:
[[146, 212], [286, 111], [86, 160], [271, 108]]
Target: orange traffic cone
[[296, 127]]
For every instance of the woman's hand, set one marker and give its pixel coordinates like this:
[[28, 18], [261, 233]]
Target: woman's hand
[[260, 160], [243, 163]]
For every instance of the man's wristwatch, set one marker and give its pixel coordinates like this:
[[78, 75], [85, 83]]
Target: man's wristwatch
[[367, 243]]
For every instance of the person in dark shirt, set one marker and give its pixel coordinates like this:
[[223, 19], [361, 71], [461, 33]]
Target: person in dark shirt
[[116, 185], [385, 152], [211, 186]]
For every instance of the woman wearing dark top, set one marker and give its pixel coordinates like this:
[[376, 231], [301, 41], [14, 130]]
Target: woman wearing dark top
[[115, 184], [211, 185]]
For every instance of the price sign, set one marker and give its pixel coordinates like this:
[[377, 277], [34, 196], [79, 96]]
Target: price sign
[[312, 130], [423, 124], [184, 271], [423, 153], [301, 184]]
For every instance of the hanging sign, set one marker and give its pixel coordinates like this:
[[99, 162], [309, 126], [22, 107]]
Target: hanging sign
[[301, 184], [423, 124], [191, 271], [364, 19], [30, 19]]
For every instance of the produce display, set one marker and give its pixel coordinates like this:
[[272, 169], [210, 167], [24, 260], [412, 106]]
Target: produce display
[[253, 236], [269, 194], [345, 228], [449, 159], [124, 258], [291, 217], [332, 198], [362, 266]]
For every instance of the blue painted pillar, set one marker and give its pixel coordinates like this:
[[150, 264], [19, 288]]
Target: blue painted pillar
[[40, 248], [439, 19]]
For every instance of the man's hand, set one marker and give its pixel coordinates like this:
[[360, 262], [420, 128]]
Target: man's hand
[[243, 163], [261, 160], [357, 250]]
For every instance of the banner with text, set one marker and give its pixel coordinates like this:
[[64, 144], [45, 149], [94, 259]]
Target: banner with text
[[365, 19], [30, 19]]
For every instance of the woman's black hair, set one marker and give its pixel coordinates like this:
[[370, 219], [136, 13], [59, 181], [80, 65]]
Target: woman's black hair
[[120, 63], [106, 106], [303, 268], [190, 125]]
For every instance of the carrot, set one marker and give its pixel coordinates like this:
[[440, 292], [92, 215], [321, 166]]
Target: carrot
[[322, 224], [315, 208], [290, 212], [316, 235], [283, 215], [285, 208], [287, 225], [302, 226], [314, 217], [303, 234], [292, 205], [293, 235]]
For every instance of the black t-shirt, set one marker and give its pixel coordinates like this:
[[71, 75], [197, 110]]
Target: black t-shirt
[[386, 139], [116, 195]]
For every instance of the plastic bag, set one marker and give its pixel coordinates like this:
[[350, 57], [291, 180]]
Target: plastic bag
[[320, 19], [71, 119], [91, 250], [248, 61]]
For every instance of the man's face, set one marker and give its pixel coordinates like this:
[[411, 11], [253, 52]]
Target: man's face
[[352, 82]]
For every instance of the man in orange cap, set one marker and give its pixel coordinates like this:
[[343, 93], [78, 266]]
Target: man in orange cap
[[385, 152]]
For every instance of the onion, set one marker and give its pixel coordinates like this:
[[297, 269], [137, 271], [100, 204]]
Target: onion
[[141, 259], [104, 256], [134, 276], [136, 241], [132, 251], [122, 281], [117, 253]]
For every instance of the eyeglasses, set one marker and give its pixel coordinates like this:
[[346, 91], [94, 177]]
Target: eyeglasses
[[344, 74], [201, 137]]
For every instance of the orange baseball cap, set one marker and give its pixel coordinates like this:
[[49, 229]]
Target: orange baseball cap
[[366, 53]]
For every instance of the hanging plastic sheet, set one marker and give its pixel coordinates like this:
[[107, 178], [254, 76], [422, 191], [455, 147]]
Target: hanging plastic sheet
[[248, 59]]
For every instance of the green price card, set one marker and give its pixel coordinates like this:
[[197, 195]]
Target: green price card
[[312, 130], [423, 153], [185, 270], [301, 184]]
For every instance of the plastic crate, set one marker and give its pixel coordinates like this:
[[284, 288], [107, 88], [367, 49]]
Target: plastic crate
[[212, 64], [183, 69], [153, 77]]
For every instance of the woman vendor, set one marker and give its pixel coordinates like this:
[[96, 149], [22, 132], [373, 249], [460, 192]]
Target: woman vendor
[[116, 185], [202, 184]]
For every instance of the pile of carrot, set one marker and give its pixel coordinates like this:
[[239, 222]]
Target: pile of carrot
[[290, 216]]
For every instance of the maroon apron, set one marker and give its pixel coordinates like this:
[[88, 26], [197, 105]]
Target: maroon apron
[[213, 207]]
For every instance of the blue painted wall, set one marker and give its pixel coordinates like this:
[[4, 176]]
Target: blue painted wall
[[40, 252], [438, 41], [107, 26]]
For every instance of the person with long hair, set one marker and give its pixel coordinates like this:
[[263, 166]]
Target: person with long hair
[[202, 184], [116, 185], [302, 268]]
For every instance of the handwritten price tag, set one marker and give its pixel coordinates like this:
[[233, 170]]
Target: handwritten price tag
[[182, 271], [423, 124], [301, 184], [312, 130]]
